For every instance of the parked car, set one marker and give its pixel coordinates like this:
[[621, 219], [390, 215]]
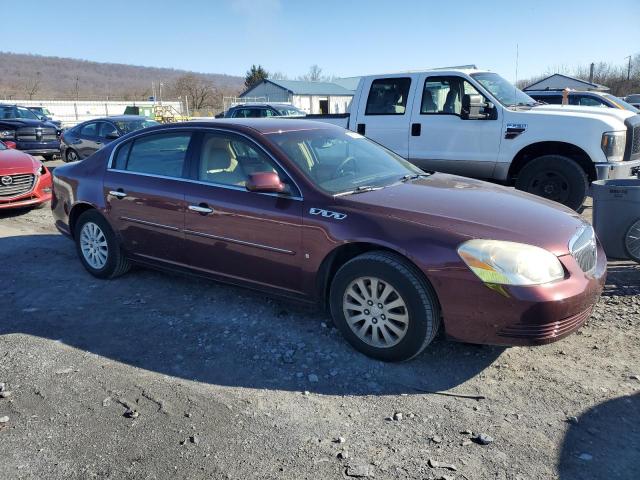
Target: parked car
[[24, 181], [321, 214], [475, 123], [30, 134], [633, 99], [586, 99], [258, 110], [45, 115], [86, 138]]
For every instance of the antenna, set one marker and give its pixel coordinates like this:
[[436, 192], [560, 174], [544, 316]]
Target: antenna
[[515, 85]]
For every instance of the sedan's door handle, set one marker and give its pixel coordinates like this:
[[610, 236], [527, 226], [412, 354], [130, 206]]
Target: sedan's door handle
[[202, 209], [117, 193]]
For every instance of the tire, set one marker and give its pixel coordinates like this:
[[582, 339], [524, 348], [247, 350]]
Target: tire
[[556, 178], [420, 310], [632, 241], [48, 158], [115, 263], [71, 155]]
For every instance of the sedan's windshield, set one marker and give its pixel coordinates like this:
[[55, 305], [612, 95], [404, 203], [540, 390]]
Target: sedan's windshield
[[290, 111], [506, 93], [128, 126], [342, 161], [8, 112], [621, 103]]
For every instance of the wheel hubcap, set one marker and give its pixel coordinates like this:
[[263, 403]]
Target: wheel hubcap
[[551, 185], [375, 312], [632, 241], [93, 245]]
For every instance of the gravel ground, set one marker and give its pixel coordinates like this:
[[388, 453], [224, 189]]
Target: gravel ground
[[155, 375]]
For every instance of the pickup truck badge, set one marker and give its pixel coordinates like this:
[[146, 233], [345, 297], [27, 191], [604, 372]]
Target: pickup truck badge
[[514, 129], [327, 213]]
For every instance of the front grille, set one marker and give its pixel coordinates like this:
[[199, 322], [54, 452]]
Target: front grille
[[583, 248], [36, 134], [635, 140], [546, 331], [14, 185]]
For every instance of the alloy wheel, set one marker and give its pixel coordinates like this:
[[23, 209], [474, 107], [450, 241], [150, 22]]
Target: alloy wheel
[[72, 156], [375, 312], [632, 241], [93, 244]]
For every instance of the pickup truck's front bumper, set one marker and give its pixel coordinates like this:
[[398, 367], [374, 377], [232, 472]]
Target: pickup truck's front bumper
[[606, 171], [39, 148]]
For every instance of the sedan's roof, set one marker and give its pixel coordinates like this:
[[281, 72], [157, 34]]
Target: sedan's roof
[[262, 125]]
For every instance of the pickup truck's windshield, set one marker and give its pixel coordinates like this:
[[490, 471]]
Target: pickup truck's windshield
[[340, 162], [506, 93], [11, 112]]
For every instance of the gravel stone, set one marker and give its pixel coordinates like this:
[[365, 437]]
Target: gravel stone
[[359, 470], [397, 416], [483, 439]]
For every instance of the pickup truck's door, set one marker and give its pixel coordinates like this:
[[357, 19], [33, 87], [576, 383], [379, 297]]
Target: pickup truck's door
[[384, 111], [441, 140]]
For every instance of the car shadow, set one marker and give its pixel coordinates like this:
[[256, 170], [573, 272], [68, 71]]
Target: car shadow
[[604, 443], [200, 330], [623, 279]]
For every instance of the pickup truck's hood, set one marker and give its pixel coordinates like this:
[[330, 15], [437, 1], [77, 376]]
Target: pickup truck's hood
[[15, 161], [26, 122], [474, 209], [576, 110]]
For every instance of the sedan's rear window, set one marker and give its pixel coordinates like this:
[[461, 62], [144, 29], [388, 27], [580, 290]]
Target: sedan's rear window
[[161, 154]]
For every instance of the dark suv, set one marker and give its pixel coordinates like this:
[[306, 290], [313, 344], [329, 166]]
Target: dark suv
[[259, 110], [30, 134], [585, 99]]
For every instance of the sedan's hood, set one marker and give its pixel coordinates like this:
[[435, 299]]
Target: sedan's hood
[[475, 209], [15, 161]]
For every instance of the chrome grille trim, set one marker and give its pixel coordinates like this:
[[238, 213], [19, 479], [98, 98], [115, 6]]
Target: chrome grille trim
[[584, 249], [21, 184], [635, 140]]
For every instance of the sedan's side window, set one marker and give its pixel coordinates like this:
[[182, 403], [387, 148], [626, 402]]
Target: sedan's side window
[[590, 101], [106, 129], [161, 154], [230, 160], [89, 130]]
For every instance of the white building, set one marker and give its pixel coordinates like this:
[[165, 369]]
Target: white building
[[311, 97]]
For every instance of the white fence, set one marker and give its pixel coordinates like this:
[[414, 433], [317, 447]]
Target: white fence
[[73, 112]]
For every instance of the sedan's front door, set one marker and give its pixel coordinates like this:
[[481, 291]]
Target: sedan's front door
[[88, 139], [144, 192], [235, 233]]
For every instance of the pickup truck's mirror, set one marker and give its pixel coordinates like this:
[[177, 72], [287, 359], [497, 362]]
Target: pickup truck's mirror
[[112, 136], [473, 107], [266, 182]]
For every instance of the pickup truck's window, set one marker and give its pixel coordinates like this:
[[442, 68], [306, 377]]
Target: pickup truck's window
[[339, 161], [443, 95], [388, 96], [161, 154]]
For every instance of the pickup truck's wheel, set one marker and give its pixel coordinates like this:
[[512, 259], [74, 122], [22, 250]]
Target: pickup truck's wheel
[[384, 307], [98, 247], [555, 177], [71, 155]]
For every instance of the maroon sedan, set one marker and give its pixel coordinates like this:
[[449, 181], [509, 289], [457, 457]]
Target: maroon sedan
[[321, 214]]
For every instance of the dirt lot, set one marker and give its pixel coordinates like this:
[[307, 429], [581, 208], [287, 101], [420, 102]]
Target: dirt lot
[[226, 383]]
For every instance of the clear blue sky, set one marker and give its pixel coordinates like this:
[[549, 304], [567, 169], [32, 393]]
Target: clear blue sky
[[344, 37]]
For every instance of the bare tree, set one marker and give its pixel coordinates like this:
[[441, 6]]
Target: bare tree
[[314, 74], [32, 85], [200, 92], [278, 76]]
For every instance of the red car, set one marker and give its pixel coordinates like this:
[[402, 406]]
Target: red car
[[318, 213], [24, 181]]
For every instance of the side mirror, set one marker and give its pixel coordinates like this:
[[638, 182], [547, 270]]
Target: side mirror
[[473, 107], [267, 182], [112, 136]]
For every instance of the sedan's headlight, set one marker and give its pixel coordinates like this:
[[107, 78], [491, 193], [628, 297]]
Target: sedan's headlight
[[510, 263], [613, 144], [7, 134]]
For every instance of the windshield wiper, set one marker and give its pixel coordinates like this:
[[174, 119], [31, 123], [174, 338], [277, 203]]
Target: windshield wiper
[[414, 176], [360, 189]]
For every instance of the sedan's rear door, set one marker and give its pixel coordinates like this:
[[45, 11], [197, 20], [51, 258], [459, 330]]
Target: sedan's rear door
[[236, 234], [144, 191]]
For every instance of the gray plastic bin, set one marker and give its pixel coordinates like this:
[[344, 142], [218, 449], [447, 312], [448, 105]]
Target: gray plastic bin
[[616, 216]]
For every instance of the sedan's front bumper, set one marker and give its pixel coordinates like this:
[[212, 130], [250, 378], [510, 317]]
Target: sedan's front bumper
[[40, 193], [532, 315], [606, 171]]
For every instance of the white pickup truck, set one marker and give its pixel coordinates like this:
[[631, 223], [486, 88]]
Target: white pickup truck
[[475, 123]]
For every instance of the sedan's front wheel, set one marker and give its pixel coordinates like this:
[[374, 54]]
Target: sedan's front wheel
[[384, 306], [98, 247]]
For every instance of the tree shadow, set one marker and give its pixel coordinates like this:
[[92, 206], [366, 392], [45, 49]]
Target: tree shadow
[[200, 330], [604, 443]]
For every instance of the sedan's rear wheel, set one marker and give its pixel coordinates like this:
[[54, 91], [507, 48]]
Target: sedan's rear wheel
[[384, 306], [98, 247], [71, 155]]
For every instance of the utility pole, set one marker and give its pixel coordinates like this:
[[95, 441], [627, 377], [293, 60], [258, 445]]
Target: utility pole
[[591, 67], [629, 68]]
